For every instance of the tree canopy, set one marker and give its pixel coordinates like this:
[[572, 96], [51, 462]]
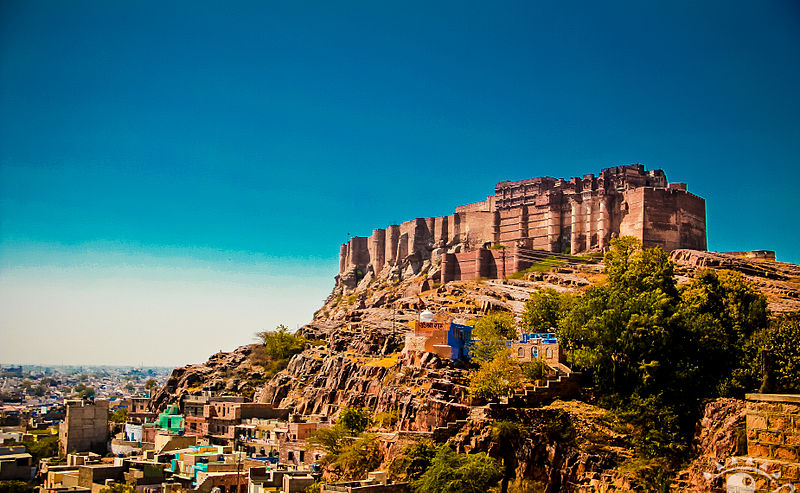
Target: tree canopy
[[451, 472], [544, 309], [655, 350]]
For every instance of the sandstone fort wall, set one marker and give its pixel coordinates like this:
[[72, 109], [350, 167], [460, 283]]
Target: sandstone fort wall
[[549, 214]]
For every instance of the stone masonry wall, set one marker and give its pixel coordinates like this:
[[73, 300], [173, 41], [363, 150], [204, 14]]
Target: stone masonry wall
[[85, 427], [773, 433]]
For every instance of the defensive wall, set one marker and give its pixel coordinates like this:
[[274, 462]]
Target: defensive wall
[[549, 214]]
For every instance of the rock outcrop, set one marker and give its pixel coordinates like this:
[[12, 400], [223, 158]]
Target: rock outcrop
[[780, 281], [232, 373]]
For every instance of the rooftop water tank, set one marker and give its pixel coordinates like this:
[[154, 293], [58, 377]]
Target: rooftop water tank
[[426, 316]]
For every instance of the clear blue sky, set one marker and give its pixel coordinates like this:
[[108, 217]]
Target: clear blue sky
[[175, 176]]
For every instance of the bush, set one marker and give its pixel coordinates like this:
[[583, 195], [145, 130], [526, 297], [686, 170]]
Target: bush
[[355, 419], [387, 419], [534, 369], [495, 326], [359, 457], [778, 355], [544, 309], [496, 378], [279, 346], [451, 472], [412, 461]]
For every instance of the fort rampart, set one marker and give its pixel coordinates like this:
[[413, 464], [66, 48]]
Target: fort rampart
[[549, 214]]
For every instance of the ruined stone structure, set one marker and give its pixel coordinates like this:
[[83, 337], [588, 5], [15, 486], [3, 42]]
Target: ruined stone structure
[[540, 214], [85, 427]]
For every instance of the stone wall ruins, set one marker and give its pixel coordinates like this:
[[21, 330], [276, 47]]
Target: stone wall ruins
[[554, 215]]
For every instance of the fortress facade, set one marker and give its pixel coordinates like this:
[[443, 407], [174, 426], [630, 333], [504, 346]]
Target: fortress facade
[[544, 214]]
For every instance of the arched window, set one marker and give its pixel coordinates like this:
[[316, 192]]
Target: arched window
[[522, 352]]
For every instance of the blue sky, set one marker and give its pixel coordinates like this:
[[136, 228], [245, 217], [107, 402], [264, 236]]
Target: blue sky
[[157, 158]]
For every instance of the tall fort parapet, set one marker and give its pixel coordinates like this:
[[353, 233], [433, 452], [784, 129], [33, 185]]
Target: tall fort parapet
[[548, 214]]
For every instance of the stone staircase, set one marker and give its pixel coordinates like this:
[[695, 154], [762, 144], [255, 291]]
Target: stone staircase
[[562, 384]]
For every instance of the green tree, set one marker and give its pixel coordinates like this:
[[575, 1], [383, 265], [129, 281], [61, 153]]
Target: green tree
[[495, 325], [46, 446], [119, 488], [280, 343], [86, 393], [626, 336], [151, 384], [534, 369], [412, 461], [545, 308], [722, 311], [481, 350], [330, 440], [118, 416], [386, 419], [654, 351], [355, 419], [495, 378], [278, 347], [359, 457], [451, 472], [777, 350]]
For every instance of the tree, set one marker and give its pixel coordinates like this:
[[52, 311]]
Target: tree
[[778, 355], [655, 351], [45, 446], [509, 435], [118, 416], [495, 378], [280, 343], [544, 309], [412, 461], [278, 347], [359, 456], [331, 440], [16, 486], [86, 393], [451, 472], [355, 419], [151, 383], [119, 488], [534, 369], [722, 311], [496, 325]]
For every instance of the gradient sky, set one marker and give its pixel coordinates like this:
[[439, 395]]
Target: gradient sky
[[175, 176]]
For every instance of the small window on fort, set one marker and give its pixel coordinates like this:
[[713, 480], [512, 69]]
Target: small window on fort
[[521, 352], [549, 352], [534, 353]]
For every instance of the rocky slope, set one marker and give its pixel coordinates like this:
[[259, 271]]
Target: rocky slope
[[231, 373], [363, 326], [780, 281]]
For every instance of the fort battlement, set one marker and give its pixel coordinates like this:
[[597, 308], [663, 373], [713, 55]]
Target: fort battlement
[[581, 214]]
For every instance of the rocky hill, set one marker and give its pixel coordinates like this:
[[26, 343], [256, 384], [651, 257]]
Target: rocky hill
[[361, 363]]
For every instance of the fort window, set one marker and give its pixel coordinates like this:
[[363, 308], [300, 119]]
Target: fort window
[[521, 352]]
